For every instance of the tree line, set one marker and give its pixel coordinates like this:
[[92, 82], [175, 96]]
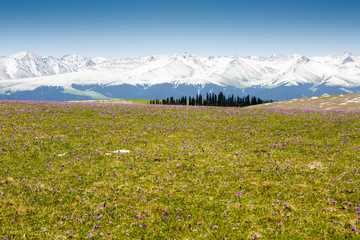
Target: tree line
[[212, 99]]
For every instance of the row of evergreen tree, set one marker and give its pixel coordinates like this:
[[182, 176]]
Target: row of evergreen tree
[[212, 99]]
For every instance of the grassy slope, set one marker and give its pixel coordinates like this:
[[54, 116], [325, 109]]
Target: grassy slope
[[225, 173], [347, 102]]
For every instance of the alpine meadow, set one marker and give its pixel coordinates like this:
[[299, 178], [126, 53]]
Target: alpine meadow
[[137, 171]]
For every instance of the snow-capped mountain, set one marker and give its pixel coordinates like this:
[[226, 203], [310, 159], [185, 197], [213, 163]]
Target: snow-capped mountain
[[27, 65], [179, 74]]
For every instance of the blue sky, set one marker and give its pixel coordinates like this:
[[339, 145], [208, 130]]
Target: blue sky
[[119, 28]]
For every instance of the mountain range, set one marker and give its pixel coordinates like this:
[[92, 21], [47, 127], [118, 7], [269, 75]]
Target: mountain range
[[25, 75]]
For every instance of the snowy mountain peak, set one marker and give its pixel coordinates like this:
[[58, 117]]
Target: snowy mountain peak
[[77, 61], [184, 55], [74, 58], [302, 60], [347, 57], [24, 55], [277, 57], [296, 56]]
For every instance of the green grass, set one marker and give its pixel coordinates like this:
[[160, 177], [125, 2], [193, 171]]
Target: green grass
[[223, 173]]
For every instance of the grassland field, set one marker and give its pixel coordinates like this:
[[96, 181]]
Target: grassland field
[[183, 172]]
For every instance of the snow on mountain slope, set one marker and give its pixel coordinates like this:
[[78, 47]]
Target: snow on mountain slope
[[27, 65], [27, 71], [8, 66], [243, 73], [77, 62], [24, 55]]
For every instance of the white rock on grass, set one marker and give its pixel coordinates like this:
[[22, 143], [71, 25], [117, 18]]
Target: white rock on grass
[[118, 151], [121, 151]]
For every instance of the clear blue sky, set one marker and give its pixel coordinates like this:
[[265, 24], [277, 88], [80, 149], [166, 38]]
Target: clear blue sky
[[126, 28]]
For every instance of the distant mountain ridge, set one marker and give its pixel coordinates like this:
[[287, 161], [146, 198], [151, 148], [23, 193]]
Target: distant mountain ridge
[[76, 76]]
